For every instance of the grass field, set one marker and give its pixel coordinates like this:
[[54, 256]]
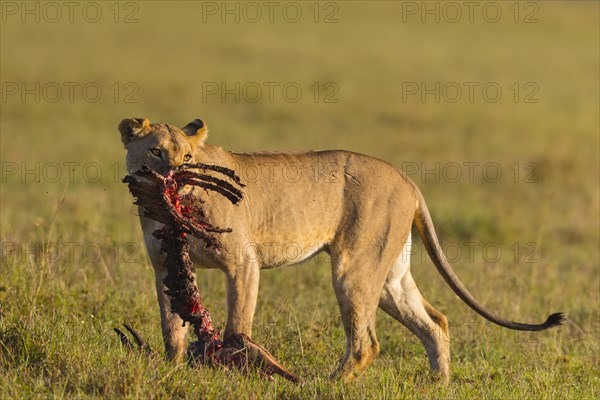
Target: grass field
[[525, 242]]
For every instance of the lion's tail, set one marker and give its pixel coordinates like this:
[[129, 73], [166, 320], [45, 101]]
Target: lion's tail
[[430, 240]]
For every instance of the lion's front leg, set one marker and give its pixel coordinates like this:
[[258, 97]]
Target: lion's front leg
[[173, 331], [242, 292]]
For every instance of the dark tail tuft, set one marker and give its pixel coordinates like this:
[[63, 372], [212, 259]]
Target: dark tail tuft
[[554, 320]]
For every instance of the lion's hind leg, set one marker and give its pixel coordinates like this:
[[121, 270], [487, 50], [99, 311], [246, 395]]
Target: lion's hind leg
[[358, 300], [402, 300]]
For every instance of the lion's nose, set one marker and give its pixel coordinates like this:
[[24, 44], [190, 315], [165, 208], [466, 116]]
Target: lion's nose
[[172, 163], [164, 168]]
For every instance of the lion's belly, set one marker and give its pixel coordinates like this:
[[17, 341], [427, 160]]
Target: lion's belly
[[277, 254]]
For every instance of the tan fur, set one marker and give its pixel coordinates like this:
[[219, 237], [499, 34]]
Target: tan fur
[[356, 208]]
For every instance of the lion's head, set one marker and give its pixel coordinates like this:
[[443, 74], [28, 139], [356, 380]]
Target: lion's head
[[160, 146]]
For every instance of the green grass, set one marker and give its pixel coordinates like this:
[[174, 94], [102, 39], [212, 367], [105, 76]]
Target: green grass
[[57, 310]]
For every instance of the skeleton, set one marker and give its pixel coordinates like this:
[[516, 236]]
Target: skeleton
[[159, 196]]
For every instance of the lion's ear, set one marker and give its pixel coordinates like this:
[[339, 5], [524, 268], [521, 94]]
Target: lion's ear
[[197, 131], [133, 128]]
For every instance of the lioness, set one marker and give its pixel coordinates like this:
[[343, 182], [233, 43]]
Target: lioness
[[356, 208]]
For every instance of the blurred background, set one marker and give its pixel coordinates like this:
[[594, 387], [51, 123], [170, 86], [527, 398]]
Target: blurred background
[[491, 107]]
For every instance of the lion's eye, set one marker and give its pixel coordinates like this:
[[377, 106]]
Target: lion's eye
[[187, 157], [156, 152]]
